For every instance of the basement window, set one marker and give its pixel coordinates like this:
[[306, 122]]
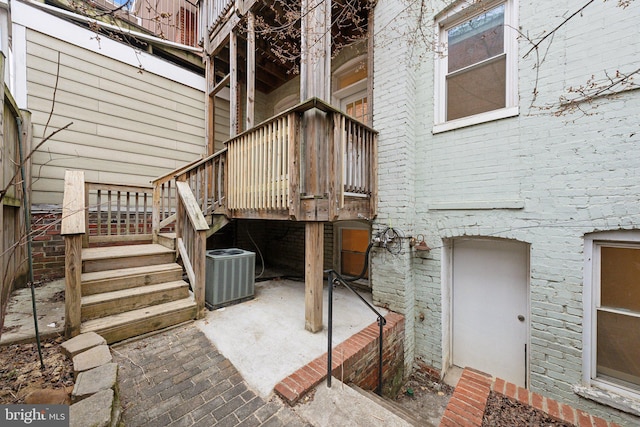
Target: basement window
[[612, 312], [476, 65]]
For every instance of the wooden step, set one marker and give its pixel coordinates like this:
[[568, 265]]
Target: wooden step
[[106, 304], [137, 322], [126, 278], [116, 257], [167, 240]]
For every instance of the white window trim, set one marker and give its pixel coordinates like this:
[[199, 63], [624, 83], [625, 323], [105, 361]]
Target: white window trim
[[347, 68], [591, 299], [451, 16]]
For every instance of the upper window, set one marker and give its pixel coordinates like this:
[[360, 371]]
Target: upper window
[[476, 64], [614, 329], [350, 89]]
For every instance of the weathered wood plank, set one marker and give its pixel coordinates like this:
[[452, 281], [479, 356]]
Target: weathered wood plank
[[73, 280], [251, 70], [133, 323], [114, 302], [73, 204], [125, 278], [191, 206], [314, 251]]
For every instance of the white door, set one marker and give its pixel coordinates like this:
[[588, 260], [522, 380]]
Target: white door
[[490, 307]]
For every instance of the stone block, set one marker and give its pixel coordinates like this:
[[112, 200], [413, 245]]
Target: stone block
[[91, 358], [94, 411], [81, 343], [90, 382]]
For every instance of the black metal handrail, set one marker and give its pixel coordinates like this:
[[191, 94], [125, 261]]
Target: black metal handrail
[[335, 278]]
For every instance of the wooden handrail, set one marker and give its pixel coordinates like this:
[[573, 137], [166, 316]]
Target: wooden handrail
[[177, 171], [191, 233], [193, 211]]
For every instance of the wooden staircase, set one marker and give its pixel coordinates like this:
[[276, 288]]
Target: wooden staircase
[[131, 290]]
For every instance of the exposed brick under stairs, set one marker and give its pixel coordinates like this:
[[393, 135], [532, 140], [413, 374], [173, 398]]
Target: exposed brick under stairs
[[131, 290]]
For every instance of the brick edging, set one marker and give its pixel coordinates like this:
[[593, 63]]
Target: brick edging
[[467, 404], [345, 354]]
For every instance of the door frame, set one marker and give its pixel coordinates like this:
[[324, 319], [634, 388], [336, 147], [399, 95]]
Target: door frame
[[446, 267], [338, 226]]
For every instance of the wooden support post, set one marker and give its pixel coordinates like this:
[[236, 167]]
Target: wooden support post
[[210, 117], [233, 90], [199, 267], [155, 212], [73, 228], [315, 81], [72, 292], [313, 258], [251, 69]]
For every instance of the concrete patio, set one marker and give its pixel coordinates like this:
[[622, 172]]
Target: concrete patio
[[265, 338]]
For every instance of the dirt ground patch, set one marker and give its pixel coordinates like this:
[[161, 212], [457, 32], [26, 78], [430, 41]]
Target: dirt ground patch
[[502, 411], [21, 376], [425, 397]]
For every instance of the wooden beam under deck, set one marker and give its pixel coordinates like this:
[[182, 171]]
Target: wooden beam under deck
[[311, 209]]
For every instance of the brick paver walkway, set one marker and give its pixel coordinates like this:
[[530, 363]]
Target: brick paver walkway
[[178, 378]]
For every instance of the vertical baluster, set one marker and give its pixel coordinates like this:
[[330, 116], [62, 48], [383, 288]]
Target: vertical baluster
[[144, 215], [162, 199], [118, 212], [126, 218], [137, 219], [99, 212], [109, 213], [360, 159]]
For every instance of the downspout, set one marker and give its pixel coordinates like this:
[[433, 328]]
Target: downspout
[[27, 227]]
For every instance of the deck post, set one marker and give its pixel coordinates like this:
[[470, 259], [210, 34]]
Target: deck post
[[73, 228], [72, 273], [315, 81], [251, 70], [313, 256]]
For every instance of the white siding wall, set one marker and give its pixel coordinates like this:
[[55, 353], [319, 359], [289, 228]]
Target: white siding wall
[[570, 175], [129, 126]]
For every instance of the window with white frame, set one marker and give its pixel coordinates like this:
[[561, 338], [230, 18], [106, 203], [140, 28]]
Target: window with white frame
[[612, 326], [476, 64], [350, 89]]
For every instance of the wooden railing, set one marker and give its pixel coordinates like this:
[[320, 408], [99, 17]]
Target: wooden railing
[[263, 165], [191, 234], [261, 170], [265, 169], [206, 180], [117, 213], [212, 12]]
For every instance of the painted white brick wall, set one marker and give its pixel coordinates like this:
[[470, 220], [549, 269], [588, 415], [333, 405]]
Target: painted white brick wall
[[574, 174], [395, 116]]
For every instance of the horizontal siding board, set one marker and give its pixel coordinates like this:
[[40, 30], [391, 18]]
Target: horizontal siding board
[[130, 167], [136, 130], [76, 144], [119, 104], [106, 69], [128, 127], [57, 164]]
